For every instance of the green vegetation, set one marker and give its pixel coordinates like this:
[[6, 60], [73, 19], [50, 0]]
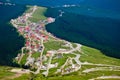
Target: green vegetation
[[4, 72], [52, 45], [60, 61], [74, 45], [22, 24], [23, 61], [38, 14], [73, 76], [35, 55], [24, 77], [28, 10], [70, 55], [95, 56]]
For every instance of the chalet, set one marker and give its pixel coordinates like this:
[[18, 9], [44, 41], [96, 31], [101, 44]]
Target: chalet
[[45, 38], [59, 55], [49, 53], [27, 43], [30, 61], [20, 29], [50, 20]]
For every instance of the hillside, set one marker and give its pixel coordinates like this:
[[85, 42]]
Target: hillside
[[51, 58]]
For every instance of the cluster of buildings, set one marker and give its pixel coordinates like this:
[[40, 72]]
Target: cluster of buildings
[[32, 32], [35, 36]]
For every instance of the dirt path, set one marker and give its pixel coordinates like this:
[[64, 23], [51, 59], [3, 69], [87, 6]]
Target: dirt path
[[102, 65], [100, 69], [12, 77], [106, 77], [18, 73]]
